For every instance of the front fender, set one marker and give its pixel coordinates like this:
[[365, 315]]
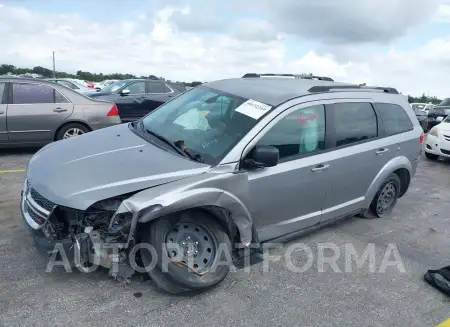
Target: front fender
[[228, 191], [393, 165]]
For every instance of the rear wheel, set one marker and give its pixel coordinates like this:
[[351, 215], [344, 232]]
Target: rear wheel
[[71, 130], [386, 197], [431, 156], [193, 250]]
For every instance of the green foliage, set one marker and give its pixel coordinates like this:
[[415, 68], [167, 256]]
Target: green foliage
[[424, 99], [87, 76]]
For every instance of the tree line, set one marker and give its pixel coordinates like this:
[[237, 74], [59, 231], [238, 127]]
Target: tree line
[[86, 76], [94, 77]]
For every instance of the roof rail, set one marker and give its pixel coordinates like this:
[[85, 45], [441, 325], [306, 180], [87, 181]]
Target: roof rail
[[327, 88], [295, 76]]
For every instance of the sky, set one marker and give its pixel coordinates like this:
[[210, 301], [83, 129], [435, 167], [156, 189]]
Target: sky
[[399, 43]]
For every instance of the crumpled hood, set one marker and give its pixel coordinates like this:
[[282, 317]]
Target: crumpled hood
[[98, 165]]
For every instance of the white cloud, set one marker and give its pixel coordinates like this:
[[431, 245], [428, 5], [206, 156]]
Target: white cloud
[[152, 44], [442, 14]]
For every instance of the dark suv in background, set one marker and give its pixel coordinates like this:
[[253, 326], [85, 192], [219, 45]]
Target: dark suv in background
[[437, 114], [135, 98]]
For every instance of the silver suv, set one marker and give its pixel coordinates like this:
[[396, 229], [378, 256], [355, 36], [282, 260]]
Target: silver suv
[[219, 171]]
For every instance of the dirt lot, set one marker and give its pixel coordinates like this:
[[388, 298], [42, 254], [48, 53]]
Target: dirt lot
[[419, 227]]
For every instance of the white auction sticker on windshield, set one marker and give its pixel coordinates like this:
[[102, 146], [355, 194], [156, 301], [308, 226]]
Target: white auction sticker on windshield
[[253, 108]]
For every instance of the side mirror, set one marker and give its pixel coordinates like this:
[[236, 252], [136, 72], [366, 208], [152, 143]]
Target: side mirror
[[125, 92], [263, 156]]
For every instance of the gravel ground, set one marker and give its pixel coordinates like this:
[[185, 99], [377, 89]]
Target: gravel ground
[[419, 228]]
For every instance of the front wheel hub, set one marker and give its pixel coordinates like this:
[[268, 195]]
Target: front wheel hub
[[192, 245]]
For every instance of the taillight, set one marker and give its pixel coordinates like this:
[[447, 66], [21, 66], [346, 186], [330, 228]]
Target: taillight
[[422, 138], [113, 111]]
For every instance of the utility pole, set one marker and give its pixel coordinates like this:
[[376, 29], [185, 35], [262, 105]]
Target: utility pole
[[54, 71]]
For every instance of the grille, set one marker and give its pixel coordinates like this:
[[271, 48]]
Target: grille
[[447, 137], [39, 199], [38, 219]]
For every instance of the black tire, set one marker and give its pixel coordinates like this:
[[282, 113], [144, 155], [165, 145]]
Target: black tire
[[176, 277], [71, 126], [431, 156], [390, 189]]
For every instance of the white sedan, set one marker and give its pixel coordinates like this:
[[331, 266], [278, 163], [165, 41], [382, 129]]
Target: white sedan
[[437, 143]]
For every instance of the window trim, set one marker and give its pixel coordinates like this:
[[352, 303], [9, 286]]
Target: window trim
[[11, 95], [384, 133], [330, 131]]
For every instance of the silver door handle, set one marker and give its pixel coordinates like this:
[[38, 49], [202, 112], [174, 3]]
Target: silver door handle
[[59, 110], [2, 112], [381, 151], [320, 168]]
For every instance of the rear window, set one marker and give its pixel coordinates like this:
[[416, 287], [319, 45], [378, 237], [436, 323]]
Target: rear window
[[395, 119], [419, 106], [420, 112], [442, 111]]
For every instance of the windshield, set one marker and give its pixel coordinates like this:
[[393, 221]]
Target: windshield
[[114, 86], [210, 122], [445, 102]]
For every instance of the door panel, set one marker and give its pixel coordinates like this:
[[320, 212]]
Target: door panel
[[289, 197], [358, 157], [132, 105], [35, 113]]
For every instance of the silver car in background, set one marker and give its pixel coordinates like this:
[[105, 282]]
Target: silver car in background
[[34, 112], [72, 84]]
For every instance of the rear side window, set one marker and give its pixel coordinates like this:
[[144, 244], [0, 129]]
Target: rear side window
[[155, 87], [354, 122], [24, 93], [395, 119], [2, 91], [178, 87]]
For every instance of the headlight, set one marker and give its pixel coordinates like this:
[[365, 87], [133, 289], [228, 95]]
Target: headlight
[[434, 131]]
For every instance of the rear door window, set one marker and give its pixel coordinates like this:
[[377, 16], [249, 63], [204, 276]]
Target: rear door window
[[395, 119], [354, 122], [24, 93]]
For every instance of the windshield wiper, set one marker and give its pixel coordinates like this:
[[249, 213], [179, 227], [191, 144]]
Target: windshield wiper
[[191, 154], [167, 141]]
